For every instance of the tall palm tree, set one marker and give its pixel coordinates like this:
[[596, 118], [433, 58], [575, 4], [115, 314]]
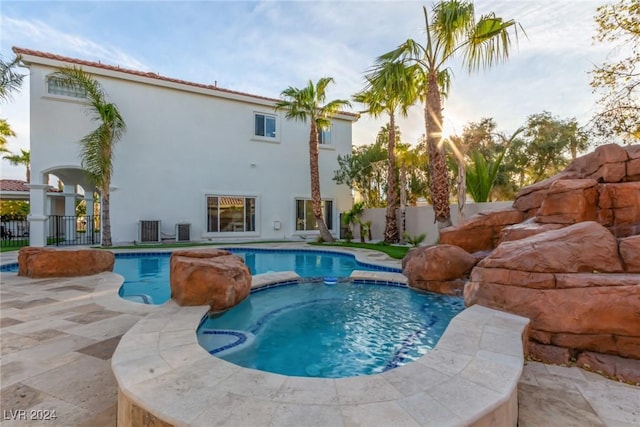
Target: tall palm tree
[[452, 29], [390, 89], [305, 104], [98, 146], [24, 158]]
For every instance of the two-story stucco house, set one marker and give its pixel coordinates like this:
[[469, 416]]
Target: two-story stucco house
[[224, 162]]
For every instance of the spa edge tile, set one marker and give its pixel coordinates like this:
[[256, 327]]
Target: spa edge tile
[[378, 414], [299, 390], [365, 389]]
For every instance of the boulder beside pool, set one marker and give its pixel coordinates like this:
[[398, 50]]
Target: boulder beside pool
[[35, 262], [213, 277]]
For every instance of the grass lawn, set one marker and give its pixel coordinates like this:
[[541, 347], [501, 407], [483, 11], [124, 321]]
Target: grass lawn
[[397, 252]]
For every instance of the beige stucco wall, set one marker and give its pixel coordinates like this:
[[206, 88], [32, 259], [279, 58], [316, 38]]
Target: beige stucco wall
[[183, 143]]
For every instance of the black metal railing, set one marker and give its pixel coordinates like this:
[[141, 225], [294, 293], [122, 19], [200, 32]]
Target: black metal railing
[[15, 234], [73, 230]]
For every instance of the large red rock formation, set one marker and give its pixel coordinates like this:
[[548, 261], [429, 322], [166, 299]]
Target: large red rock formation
[[579, 290], [438, 268], [48, 262], [572, 266], [211, 277], [480, 231]]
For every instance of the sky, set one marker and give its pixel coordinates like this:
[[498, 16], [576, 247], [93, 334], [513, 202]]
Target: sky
[[264, 47]]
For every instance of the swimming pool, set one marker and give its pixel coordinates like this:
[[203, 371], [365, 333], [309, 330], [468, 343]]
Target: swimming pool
[[311, 329], [147, 274]]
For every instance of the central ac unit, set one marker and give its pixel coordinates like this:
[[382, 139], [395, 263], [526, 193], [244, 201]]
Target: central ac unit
[[149, 231], [183, 232]]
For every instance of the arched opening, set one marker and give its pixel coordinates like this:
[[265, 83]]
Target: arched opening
[[65, 208]]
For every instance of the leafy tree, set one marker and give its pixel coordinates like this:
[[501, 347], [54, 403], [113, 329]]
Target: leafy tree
[[97, 147], [305, 104], [549, 142], [618, 80], [413, 182], [390, 90], [452, 29], [365, 171], [14, 210], [24, 158]]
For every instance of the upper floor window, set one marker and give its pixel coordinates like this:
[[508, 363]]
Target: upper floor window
[[324, 136], [57, 86], [265, 125]]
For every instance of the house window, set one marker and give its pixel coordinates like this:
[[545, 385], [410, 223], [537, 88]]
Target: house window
[[324, 136], [57, 86], [306, 221], [235, 214], [265, 125]]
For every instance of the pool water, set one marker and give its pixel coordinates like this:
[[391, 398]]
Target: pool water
[[311, 329], [147, 275]]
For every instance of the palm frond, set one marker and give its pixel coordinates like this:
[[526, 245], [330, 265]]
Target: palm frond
[[451, 22], [10, 80], [489, 42], [75, 76]]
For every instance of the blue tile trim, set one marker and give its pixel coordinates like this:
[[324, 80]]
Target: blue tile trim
[[400, 355], [241, 338], [379, 282]]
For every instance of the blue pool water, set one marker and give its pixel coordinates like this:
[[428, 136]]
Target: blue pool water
[[312, 329], [147, 275]]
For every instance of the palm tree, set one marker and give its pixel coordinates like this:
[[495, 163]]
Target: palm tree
[[352, 217], [5, 131], [390, 89], [24, 158], [481, 176], [452, 29], [305, 104], [10, 81], [97, 146]]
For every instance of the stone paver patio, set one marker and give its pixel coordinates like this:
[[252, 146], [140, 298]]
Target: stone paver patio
[[57, 337]]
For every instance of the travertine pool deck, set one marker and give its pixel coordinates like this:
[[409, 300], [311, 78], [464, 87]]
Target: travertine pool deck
[[58, 337]]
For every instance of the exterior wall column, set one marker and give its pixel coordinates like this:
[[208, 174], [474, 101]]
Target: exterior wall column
[[37, 215], [70, 211], [88, 199]]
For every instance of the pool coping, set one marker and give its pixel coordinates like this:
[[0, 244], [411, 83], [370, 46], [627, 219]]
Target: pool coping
[[469, 378]]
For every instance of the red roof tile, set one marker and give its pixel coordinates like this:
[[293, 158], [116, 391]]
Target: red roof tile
[[22, 51], [18, 185], [13, 185]]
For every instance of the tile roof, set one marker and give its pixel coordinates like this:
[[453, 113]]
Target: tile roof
[[30, 52], [18, 185]]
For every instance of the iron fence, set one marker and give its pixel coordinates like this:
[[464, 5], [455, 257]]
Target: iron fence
[[73, 230], [14, 234]]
